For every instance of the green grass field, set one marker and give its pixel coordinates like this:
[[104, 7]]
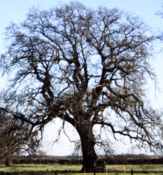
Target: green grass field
[[59, 167], [38, 167]]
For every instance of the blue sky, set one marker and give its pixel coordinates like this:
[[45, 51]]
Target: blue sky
[[16, 10]]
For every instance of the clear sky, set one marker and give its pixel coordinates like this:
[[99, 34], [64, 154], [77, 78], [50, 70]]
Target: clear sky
[[16, 10]]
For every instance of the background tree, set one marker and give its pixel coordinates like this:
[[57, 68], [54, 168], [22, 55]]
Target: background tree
[[16, 137], [86, 67]]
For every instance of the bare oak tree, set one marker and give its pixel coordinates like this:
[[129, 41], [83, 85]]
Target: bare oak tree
[[86, 67]]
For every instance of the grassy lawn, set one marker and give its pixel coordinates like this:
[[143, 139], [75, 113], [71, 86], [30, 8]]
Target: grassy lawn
[[139, 167], [55, 167], [38, 167]]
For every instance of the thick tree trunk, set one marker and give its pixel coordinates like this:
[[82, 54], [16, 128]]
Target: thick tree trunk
[[90, 160], [89, 155]]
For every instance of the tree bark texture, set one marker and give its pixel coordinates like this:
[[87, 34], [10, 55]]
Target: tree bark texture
[[90, 161]]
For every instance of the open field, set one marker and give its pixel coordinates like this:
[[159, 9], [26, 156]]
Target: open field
[[39, 167], [151, 169]]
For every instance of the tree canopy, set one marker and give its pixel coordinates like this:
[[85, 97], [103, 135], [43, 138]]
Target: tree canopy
[[86, 67]]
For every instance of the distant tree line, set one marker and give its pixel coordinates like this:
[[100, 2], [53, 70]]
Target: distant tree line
[[112, 159]]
